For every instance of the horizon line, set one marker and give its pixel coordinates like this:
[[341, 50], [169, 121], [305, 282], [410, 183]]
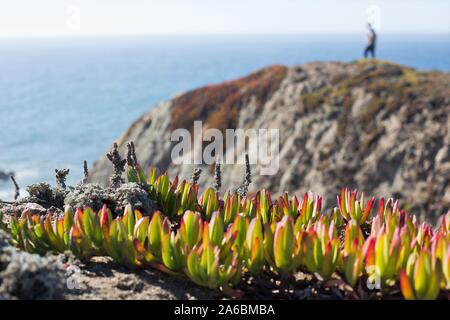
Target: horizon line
[[220, 34]]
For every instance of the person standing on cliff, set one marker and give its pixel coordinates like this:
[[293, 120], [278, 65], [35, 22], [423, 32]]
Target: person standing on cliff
[[372, 39]]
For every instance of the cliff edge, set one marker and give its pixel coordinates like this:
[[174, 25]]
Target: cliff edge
[[374, 126]]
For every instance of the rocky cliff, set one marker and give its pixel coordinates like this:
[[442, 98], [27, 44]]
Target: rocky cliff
[[376, 126]]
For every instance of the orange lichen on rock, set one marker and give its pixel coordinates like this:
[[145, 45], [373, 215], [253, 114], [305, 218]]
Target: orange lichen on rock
[[218, 105]]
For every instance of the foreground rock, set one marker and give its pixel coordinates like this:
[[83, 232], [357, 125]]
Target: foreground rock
[[29, 276], [375, 126], [43, 198], [102, 279]]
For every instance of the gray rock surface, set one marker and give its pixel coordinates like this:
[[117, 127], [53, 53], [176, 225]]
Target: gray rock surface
[[30, 276], [376, 126], [88, 195]]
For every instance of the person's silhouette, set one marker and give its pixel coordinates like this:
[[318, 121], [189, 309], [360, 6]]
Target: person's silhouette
[[372, 39]]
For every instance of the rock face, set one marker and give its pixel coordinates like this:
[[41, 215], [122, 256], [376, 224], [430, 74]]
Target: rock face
[[375, 126]]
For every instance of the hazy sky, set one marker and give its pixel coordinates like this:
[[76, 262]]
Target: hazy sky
[[118, 17]]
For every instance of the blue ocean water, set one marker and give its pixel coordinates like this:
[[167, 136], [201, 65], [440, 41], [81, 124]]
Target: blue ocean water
[[64, 100]]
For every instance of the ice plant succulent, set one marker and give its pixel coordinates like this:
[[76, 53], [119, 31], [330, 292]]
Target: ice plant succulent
[[283, 247], [309, 210], [119, 246], [155, 233], [381, 254], [446, 268], [424, 235], [441, 251], [232, 206], [263, 205], [352, 208], [352, 256], [187, 197], [320, 248], [210, 266], [191, 229], [36, 234], [166, 196], [120, 241], [86, 233], [288, 207], [239, 228], [390, 215], [171, 249], [445, 223], [213, 240], [209, 202], [215, 228], [254, 251], [422, 277], [79, 232]]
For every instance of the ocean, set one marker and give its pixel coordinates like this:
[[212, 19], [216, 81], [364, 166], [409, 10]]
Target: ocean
[[65, 100]]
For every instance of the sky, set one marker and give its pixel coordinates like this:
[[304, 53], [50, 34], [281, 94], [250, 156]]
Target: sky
[[153, 17]]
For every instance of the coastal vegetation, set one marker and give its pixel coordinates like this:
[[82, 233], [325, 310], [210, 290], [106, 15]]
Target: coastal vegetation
[[224, 242]]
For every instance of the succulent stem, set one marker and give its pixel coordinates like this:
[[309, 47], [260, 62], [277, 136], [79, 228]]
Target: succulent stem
[[196, 175], [61, 175], [217, 175], [116, 179], [16, 186]]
